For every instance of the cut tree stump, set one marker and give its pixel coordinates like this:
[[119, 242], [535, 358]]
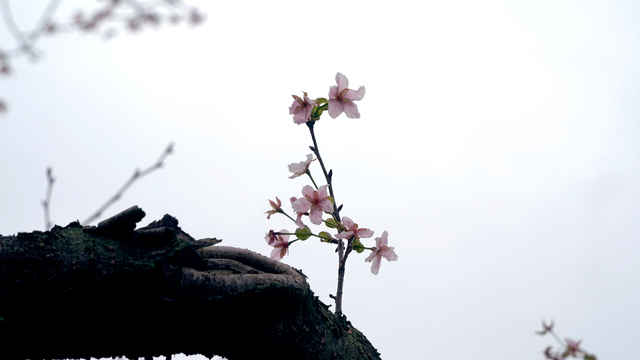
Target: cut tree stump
[[110, 290]]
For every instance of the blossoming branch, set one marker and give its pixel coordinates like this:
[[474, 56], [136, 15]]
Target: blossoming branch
[[319, 201]]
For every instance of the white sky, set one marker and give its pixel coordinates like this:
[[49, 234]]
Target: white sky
[[499, 146]]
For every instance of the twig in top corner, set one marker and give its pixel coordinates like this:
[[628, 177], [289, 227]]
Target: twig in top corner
[[137, 174]]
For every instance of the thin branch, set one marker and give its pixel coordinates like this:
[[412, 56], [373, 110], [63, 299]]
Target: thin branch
[[343, 253], [47, 201], [137, 174]]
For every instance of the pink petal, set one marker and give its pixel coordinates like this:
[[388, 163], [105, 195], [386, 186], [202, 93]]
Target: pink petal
[[375, 265], [389, 254], [346, 221], [326, 205], [355, 95], [371, 256], [308, 191], [279, 253], [335, 108], [350, 109], [301, 205], [315, 216], [342, 81], [322, 191], [383, 240], [365, 233], [346, 235]]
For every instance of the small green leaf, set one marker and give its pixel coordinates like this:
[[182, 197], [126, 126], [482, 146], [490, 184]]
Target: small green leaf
[[303, 234], [589, 357], [322, 100], [357, 246], [325, 235], [331, 223], [331, 199]]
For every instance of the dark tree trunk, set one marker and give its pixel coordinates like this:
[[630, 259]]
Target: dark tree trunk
[[110, 290]]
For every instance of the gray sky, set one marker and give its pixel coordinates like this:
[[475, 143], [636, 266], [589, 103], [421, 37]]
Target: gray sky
[[499, 145]]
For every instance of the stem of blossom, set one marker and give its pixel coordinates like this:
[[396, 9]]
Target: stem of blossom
[[324, 169], [287, 215], [342, 254], [311, 177], [553, 333]]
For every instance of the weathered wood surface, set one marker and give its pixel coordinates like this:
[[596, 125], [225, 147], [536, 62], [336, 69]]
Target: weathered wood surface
[[111, 290]]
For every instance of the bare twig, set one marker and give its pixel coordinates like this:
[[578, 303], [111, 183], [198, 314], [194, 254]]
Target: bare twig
[[47, 201], [132, 15], [137, 174]]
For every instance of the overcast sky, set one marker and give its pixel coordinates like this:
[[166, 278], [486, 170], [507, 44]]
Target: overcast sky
[[498, 144]]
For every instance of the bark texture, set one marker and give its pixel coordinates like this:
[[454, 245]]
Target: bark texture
[[111, 290]]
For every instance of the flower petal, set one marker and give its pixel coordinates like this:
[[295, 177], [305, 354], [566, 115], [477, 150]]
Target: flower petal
[[301, 205], [335, 108], [342, 81], [350, 109], [375, 265]]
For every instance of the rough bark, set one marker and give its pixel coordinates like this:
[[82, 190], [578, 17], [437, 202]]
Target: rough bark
[[110, 290]]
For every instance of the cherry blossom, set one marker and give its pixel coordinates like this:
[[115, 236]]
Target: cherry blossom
[[573, 347], [314, 202], [275, 208], [353, 229], [299, 169], [301, 108], [341, 98], [379, 251], [280, 243], [553, 356], [545, 328]]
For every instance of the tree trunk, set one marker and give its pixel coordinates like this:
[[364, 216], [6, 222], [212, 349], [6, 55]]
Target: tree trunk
[[110, 290]]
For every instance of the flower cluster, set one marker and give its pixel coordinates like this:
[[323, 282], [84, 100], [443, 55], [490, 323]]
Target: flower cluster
[[341, 100], [571, 348], [317, 202]]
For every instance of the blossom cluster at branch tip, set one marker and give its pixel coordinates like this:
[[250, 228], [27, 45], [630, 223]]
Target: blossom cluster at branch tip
[[381, 250], [301, 168], [314, 202], [280, 243], [341, 98], [301, 108]]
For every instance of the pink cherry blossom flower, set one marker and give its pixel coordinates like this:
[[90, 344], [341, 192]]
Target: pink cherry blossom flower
[[313, 202], [352, 229], [553, 356], [275, 208], [280, 243], [341, 98], [379, 251], [301, 108], [545, 328], [573, 347], [299, 169]]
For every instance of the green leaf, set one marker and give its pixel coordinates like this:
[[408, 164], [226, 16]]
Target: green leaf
[[331, 199], [303, 234], [589, 357], [322, 100], [325, 235], [357, 246], [331, 223]]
